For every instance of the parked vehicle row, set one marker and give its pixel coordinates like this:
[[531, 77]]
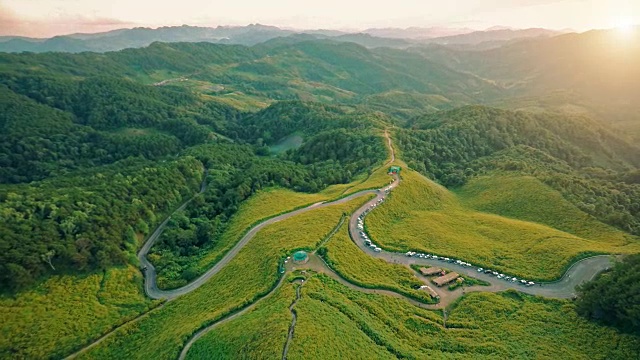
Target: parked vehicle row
[[436, 257], [466, 264], [506, 277]]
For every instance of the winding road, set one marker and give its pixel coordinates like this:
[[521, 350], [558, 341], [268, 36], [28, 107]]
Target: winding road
[[581, 271]]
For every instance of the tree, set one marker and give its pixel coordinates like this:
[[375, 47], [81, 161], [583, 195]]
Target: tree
[[46, 257]]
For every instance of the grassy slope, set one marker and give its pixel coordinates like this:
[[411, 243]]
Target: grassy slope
[[526, 198], [251, 273], [260, 333], [481, 326], [359, 268], [424, 216], [65, 312]]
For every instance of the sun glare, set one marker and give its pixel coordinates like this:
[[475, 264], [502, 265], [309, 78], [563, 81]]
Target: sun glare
[[625, 26]]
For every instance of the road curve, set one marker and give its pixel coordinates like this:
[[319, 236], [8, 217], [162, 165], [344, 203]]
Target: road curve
[[151, 286], [581, 271], [150, 275]]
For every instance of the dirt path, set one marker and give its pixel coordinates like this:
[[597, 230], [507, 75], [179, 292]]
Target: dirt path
[[225, 319], [294, 317]]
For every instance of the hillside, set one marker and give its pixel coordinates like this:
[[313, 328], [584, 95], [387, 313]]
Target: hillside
[[577, 156]]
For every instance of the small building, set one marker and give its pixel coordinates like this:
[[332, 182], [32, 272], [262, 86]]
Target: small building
[[444, 280], [394, 170], [430, 271], [431, 292], [300, 257]]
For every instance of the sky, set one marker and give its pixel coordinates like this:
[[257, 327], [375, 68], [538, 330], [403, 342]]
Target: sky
[[44, 18]]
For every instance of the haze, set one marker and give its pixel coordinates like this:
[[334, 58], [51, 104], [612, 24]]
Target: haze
[[55, 17]]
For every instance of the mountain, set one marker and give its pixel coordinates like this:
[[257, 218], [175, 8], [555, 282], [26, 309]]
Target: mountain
[[141, 37], [492, 37], [416, 32], [254, 34]]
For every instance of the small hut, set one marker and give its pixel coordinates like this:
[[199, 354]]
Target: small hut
[[430, 271], [394, 170], [444, 280]]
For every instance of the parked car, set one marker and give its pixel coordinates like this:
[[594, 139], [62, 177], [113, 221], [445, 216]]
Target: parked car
[[480, 269]]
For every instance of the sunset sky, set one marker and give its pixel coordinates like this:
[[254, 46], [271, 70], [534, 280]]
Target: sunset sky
[[54, 17]]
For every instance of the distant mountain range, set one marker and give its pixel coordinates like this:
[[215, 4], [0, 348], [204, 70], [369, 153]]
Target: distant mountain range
[[255, 33]]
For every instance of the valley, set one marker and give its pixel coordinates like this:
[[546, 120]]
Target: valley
[[298, 195]]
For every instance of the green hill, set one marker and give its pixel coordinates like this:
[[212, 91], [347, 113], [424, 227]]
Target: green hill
[[582, 159], [423, 216]]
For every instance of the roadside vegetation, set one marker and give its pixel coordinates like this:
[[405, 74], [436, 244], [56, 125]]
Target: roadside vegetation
[[421, 215], [249, 275], [64, 312], [355, 266], [479, 326]]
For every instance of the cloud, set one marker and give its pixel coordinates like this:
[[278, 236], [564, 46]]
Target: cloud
[[12, 24], [9, 21]]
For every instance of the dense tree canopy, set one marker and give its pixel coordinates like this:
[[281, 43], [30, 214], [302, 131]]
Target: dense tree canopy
[[613, 298]]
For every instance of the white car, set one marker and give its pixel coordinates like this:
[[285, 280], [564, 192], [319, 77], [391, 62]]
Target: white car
[[377, 249], [530, 283], [495, 273], [500, 276], [480, 269]]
